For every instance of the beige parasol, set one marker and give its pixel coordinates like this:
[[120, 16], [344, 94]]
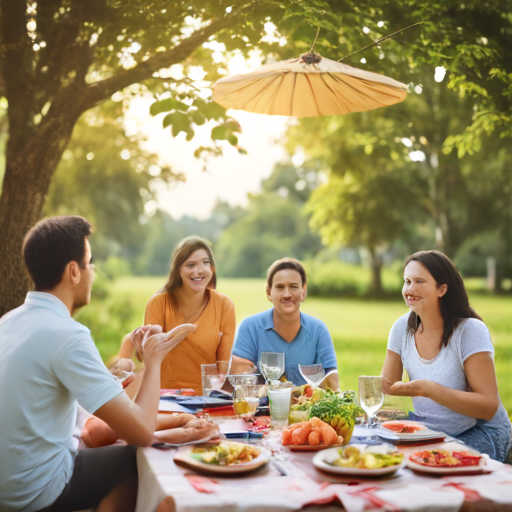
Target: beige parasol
[[308, 86]]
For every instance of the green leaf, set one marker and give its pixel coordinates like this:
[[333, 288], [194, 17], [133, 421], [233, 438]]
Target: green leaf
[[198, 118], [219, 133]]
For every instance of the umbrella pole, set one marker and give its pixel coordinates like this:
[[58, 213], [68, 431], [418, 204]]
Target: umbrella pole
[[379, 40]]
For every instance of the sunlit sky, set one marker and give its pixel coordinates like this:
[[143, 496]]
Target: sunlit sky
[[229, 178]]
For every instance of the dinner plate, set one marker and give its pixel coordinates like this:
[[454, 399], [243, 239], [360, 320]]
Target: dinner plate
[[420, 435], [321, 461], [183, 456], [450, 447]]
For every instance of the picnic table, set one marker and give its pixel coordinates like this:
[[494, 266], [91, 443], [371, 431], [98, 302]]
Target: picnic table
[[167, 487]]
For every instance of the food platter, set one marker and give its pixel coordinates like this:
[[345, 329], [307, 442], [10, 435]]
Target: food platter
[[184, 457], [323, 460], [421, 433], [451, 470], [312, 447]]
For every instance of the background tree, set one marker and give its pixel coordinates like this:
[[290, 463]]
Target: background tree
[[273, 227], [106, 176], [59, 58]]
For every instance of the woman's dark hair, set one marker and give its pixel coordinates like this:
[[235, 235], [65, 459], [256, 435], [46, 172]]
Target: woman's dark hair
[[51, 244], [181, 253], [454, 303], [285, 263]]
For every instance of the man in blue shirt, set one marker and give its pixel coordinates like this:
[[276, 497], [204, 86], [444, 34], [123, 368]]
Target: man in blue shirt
[[302, 338], [49, 363]]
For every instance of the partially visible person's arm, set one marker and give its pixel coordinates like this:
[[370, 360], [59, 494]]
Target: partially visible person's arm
[[135, 422], [194, 430], [326, 356], [126, 350], [227, 330], [332, 382], [239, 365], [245, 353], [481, 402], [392, 371]]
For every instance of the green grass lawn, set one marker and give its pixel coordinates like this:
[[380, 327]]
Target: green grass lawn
[[359, 328]]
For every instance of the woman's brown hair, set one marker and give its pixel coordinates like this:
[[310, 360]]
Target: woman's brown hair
[[181, 253], [454, 303]]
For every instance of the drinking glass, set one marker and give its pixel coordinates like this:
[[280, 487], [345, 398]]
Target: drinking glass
[[272, 365], [246, 400], [279, 394], [213, 376], [371, 396], [123, 369]]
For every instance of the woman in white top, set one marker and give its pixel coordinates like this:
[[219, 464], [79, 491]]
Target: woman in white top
[[447, 352]]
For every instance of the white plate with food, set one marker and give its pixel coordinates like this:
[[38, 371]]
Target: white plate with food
[[405, 430], [448, 459], [360, 460], [225, 457]]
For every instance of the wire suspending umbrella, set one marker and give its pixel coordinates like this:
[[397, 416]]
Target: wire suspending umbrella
[[310, 86]]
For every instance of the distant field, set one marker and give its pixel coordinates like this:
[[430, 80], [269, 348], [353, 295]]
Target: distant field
[[359, 328]]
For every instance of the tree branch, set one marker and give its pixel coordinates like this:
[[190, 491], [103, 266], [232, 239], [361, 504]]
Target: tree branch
[[100, 91]]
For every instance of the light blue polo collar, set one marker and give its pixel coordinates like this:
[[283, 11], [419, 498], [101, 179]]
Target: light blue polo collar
[[268, 320], [47, 301]]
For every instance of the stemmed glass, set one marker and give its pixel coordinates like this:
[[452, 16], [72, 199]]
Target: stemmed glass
[[271, 365], [371, 397], [213, 376], [313, 374]]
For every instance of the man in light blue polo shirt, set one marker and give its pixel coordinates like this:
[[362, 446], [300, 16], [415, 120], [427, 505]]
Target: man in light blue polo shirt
[[48, 364], [302, 338]]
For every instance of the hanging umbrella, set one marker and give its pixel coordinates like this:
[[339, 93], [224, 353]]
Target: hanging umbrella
[[308, 86]]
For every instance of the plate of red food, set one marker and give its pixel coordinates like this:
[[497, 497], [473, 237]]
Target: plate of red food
[[449, 458], [412, 431]]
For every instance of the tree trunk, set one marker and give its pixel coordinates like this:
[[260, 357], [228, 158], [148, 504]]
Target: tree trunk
[[33, 152], [27, 179], [376, 264]]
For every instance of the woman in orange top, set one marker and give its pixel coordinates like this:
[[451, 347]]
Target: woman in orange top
[[189, 296]]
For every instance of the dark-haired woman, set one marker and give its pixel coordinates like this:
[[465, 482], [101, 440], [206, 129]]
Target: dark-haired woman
[[302, 338], [189, 296], [447, 352]]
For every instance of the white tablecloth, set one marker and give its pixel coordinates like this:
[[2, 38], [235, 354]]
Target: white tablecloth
[[266, 490]]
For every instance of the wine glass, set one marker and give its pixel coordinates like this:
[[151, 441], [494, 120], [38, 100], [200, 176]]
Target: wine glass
[[371, 396], [213, 376], [272, 365], [313, 374]]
